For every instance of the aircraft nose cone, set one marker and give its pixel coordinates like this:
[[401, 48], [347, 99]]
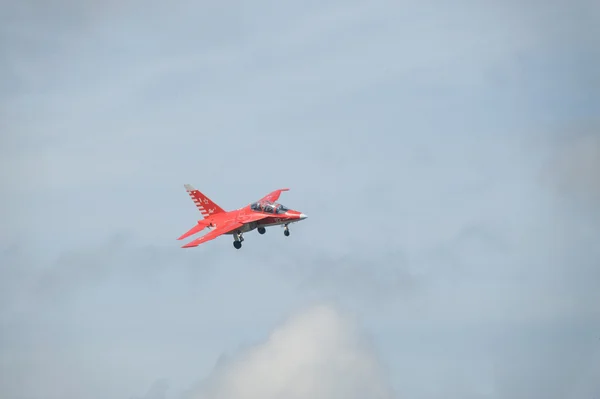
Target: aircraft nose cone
[[303, 216]]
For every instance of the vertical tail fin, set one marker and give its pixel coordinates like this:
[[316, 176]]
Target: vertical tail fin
[[204, 204]]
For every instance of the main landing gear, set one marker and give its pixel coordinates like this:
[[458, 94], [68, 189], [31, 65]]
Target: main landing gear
[[237, 240]]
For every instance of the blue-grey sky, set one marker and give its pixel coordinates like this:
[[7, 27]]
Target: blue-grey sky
[[447, 154]]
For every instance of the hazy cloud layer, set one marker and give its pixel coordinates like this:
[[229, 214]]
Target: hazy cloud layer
[[446, 154]]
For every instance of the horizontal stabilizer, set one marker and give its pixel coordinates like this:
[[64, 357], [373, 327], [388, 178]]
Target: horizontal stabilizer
[[219, 230], [202, 224]]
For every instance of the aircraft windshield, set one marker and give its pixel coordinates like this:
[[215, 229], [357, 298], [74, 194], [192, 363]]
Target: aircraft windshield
[[281, 209], [268, 207]]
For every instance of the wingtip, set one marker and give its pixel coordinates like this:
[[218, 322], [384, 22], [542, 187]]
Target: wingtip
[[188, 187]]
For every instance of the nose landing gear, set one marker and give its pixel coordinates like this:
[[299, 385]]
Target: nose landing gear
[[286, 231]]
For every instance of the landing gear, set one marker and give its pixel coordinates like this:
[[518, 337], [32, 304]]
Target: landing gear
[[237, 240], [286, 232], [262, 230]]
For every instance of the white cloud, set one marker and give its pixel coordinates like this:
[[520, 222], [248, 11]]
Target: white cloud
[[316, 354]]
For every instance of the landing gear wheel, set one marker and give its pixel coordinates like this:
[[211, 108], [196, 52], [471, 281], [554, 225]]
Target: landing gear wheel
[[286, 232], [237, 244], [262, 230]]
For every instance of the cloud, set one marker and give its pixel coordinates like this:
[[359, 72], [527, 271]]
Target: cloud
[[318, 353]]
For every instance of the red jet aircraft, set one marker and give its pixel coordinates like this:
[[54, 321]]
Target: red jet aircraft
[[257, 215]]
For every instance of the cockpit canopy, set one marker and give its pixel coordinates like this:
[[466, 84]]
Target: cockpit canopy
[[268, 207]]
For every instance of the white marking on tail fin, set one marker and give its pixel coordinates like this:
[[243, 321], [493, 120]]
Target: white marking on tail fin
[[204, 204]]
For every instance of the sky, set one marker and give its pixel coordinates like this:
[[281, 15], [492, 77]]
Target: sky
[[447, 156]]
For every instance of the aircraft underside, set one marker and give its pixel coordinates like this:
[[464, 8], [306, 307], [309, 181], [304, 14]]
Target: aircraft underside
[[238, 235]]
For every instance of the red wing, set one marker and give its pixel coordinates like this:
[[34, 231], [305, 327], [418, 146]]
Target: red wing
[[273, 196], [220, 229]]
